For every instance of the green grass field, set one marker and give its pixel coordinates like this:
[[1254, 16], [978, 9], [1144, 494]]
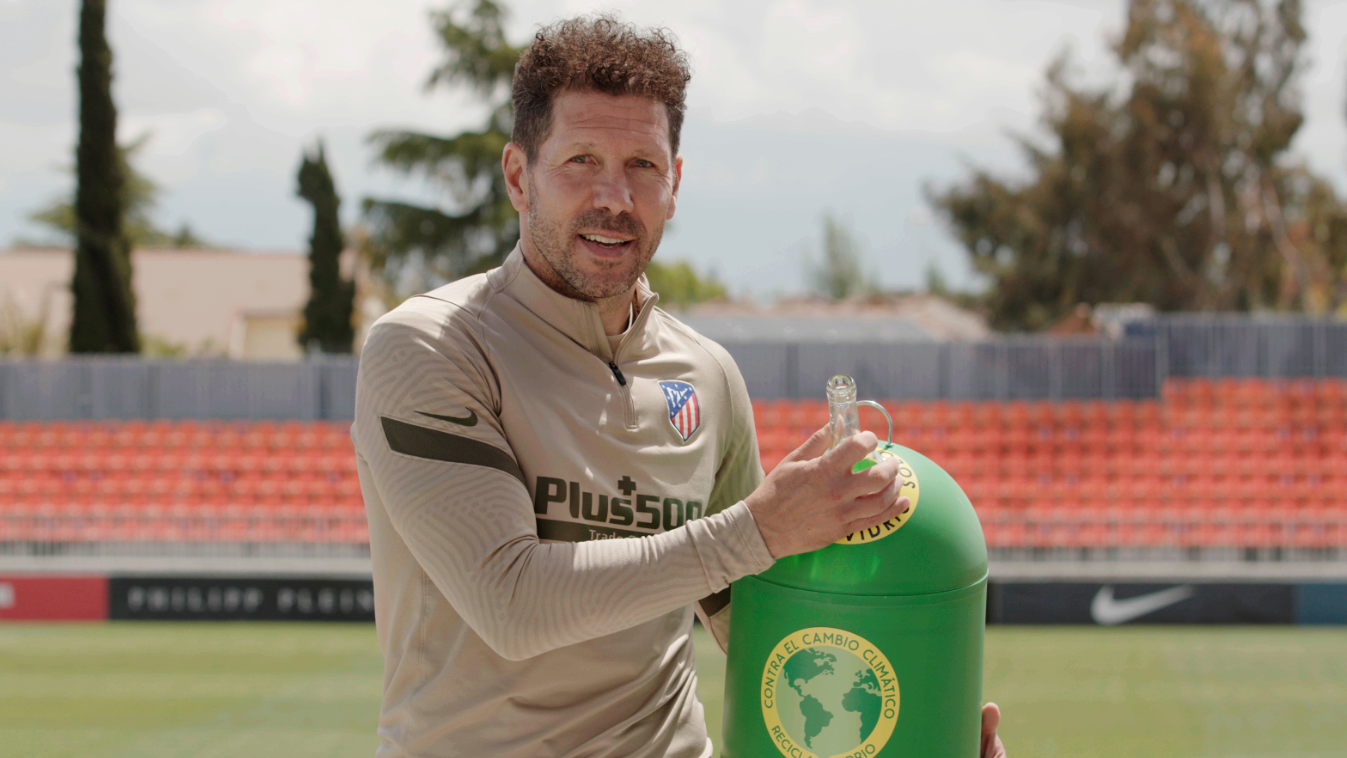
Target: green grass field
[[258, 690]]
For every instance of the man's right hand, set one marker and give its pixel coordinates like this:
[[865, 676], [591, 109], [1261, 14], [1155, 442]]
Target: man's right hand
[[812, 499]]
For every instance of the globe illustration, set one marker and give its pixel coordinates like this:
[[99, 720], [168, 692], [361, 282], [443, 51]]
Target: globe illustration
[[831, 701]]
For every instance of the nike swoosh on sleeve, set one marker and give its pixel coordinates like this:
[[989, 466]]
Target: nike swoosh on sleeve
[[435, 445], [468, 420], [1107, 611]]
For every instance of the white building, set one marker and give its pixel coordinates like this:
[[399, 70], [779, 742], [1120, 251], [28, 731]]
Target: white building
[[190, 302]]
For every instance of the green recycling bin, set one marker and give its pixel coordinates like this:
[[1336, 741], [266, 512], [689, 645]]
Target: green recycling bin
[[871, 647]]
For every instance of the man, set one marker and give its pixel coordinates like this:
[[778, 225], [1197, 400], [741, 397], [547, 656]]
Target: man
[[541, 521]]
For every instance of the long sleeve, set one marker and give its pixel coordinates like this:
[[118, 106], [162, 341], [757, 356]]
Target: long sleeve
[[428, 433], [740, 472]]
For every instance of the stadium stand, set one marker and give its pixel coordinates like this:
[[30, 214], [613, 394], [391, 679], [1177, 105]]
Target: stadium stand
[[1227, 468], [178, 482], [1234, 468]]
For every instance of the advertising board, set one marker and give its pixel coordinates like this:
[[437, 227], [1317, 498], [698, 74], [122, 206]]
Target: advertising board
[[215, 598], [40, 597], [1112, 604]]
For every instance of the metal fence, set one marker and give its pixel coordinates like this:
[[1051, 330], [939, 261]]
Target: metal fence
[[130, 388], [1007, 368], [1246, 346], [1014, 368]]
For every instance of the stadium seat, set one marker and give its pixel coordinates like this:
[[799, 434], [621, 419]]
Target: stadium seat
[[1225, 463]]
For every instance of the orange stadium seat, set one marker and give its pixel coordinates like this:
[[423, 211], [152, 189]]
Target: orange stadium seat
[[1247, 463]]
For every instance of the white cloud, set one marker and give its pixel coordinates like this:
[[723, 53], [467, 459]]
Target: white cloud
[[174, 134], [234, 89], [816, 43], [907, 65], [1323, 138], [302, 49], [171, 155]]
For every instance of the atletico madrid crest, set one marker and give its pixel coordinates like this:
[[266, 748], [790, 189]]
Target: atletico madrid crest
[[685, 413]]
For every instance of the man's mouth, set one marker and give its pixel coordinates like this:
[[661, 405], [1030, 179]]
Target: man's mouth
[[606, 242]]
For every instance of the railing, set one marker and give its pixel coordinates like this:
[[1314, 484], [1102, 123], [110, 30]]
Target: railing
[[1012, 368], [1241, 346], [48, 529], [1144, 532], [1258, 534], [1007, 368], [99, 388]]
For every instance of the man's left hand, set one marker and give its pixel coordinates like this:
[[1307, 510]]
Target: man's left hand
[[991, 744]]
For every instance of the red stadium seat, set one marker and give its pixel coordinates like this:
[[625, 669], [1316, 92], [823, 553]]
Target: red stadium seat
[[1231, 463]]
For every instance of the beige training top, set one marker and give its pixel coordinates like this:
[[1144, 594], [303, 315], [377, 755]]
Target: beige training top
[[502, 444]]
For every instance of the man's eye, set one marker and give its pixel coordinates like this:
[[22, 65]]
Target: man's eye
[[579, 159], [643, 163]]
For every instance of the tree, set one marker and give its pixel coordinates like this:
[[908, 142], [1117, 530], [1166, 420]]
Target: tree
[[104, 317], [327, 315], [840, 274], [140, 197], [20, 335], [1171, 187], [413, 247], [679, 284]]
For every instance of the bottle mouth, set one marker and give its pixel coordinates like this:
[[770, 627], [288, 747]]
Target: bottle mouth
[[841, 389]]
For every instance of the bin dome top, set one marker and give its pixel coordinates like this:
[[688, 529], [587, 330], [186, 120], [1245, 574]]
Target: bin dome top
[[937, 546]]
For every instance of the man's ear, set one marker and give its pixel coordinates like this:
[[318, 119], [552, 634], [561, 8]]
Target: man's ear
[[677, 179], [515, 163]]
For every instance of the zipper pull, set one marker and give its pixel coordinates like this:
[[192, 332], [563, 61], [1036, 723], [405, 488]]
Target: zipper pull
[[617, 372]]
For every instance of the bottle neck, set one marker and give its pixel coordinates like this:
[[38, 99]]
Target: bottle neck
[[843, 420]]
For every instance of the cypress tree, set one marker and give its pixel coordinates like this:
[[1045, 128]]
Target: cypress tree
[[104, 319], [327, 316]]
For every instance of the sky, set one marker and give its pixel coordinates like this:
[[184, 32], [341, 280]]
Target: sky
[[796, 108]]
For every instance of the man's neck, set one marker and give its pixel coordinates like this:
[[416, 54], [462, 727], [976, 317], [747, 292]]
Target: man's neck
[[614, 312]]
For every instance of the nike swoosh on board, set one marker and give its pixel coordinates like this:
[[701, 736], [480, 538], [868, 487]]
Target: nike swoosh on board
[[1106, 611], [468, 420]]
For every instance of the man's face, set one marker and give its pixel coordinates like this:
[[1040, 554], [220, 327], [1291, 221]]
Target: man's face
[[594, 200]]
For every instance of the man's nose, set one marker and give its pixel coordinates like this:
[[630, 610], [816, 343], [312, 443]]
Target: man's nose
[[612, 191]]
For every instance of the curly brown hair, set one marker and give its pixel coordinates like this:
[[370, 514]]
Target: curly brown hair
[[598, 53]]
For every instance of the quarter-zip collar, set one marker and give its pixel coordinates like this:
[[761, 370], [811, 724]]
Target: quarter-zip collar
[[576, 319]]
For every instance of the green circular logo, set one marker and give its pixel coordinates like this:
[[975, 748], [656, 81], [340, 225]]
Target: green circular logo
[[828, 693]]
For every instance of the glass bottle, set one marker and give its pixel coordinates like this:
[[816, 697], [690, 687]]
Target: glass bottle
[[843, 419]]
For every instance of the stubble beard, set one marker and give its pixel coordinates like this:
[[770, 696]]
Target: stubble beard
[[556, 242]]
